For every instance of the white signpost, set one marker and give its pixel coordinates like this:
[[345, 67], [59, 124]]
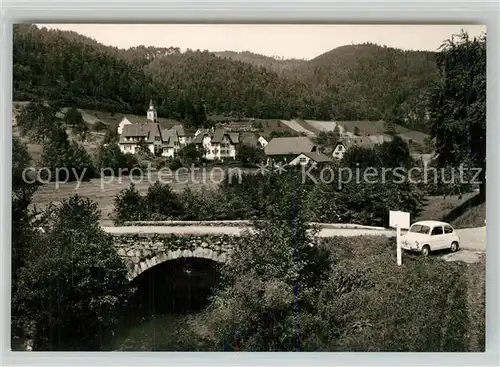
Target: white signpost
[[399, 220]]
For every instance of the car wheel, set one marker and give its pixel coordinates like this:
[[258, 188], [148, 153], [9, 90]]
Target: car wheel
[[454, 246], [425, 250]]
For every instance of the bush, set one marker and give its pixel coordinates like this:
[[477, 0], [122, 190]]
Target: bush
[[128, 206], [427, 308], [175, 165], [446, 181], [73, 284], [20, 160], [258, 302], [248, 154], [198, 205], [190, 154], [61, 153], [161, 202], [111, 160], [111, 136]]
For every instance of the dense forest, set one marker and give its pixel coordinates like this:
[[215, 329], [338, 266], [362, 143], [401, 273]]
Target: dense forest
[[357, 82]]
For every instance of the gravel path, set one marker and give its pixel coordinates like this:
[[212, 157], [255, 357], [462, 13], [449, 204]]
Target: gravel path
[[473, 239]]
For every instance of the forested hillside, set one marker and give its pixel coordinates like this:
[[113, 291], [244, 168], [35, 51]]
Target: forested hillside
[[372, 82], [72, 70], [271, 63], [358, 82]]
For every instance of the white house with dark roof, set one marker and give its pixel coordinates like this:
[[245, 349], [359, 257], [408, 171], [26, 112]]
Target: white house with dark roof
[[170, 143], [184, 138], [167, 142], [133, 134], [286, 149], [344, 144], [125, 121], [339, 150], [313, 158], [219, 144]]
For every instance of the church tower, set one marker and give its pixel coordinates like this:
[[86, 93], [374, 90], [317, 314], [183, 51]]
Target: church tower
[[152, 114]]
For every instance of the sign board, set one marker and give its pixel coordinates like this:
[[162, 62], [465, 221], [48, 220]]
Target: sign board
[[399, 219]]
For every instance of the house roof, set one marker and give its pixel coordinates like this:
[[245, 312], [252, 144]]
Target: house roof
[[169, 137], [179, 129], [149, 131], [289, 145], [199, 138], [125, 120], [217, 136], [359, 141], [318, 157]]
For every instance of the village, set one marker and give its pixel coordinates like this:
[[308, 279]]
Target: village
[[221, 144]]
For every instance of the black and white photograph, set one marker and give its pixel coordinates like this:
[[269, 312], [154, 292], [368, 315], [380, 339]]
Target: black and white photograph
[[248, 187]]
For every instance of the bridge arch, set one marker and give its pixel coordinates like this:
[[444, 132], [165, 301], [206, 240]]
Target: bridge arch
[[144, 264], [141, 252]]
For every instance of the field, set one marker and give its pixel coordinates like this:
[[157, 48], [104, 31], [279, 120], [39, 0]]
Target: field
[[35, 150], [103, 191], [465, 212], [296, 126], [268, 126], [379, 127], [325, 125], [366, 128]]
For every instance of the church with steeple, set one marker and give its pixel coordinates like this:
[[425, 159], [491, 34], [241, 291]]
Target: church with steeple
[[136, 131], [152, 114]]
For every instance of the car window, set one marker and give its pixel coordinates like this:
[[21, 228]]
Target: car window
[[448, 229], [418, 228], [437, 231]]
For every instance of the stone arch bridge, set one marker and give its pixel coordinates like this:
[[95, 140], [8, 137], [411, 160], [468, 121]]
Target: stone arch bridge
[[141, 252], [144, 245]]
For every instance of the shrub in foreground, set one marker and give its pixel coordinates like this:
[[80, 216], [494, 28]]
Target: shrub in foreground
[[73, 283]]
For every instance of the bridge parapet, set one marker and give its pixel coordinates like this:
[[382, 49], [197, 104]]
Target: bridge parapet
[[144, 251]]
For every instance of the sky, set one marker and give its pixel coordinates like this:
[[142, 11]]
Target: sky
[[288, 41]]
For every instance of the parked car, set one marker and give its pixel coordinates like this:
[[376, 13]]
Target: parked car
[[430, 235]]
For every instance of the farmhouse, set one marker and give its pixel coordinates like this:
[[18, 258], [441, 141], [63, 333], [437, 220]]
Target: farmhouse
[[344, 144], [287, 149], [134, 135], [170, 143], [313, 158], [339, 150], [184, 138], [217, 144]]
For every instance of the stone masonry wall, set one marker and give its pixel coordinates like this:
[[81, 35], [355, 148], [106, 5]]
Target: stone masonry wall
[[142, 252]]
